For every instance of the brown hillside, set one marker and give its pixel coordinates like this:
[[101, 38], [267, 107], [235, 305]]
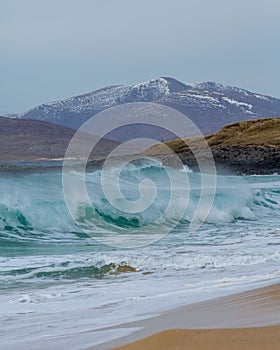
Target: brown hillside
[[261, 132], [32, 140]]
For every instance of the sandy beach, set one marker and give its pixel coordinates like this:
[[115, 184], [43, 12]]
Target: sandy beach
[[259, 338], [249, 320]]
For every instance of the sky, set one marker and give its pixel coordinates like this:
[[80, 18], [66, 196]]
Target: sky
[[53, 49]]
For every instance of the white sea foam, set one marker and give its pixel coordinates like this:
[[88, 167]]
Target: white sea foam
[[57, 279]]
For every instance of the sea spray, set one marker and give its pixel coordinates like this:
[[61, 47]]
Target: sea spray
[[53, 276], [33, 207]]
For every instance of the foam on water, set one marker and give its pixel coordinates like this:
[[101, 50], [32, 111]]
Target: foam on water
[[33, 207], [55, 281]]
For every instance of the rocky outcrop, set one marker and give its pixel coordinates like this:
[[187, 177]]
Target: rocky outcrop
[[249, 147]]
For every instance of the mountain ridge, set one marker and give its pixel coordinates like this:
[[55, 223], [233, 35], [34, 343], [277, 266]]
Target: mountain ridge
[[209, 105]]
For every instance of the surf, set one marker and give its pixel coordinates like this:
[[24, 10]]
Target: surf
[[32, 207]]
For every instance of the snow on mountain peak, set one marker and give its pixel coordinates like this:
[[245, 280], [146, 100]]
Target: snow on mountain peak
[[160, 83], [215, 101], [218, 87]]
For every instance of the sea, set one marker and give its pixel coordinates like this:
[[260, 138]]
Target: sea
[[68, 280]]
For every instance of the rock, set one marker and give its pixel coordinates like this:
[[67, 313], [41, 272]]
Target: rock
[[245, 148]]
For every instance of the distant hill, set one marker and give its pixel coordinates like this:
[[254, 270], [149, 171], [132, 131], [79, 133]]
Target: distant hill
[[247, 147], [261, 132], [33, 140], [209, 105]]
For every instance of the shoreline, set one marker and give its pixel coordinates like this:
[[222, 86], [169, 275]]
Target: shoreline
[[222, 168], [223, 316]]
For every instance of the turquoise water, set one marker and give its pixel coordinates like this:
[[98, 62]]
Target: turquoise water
[[57, 281]]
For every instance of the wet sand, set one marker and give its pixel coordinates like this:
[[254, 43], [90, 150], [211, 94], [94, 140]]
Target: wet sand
[[249, 320], [263, 338]]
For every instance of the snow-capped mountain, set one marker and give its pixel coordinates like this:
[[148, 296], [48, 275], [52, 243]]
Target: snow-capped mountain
[[210, 105]]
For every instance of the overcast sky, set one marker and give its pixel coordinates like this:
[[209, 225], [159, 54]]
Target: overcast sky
[[52, 49]]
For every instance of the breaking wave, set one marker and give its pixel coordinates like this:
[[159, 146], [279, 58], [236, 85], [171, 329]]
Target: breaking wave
[[33, 207]]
